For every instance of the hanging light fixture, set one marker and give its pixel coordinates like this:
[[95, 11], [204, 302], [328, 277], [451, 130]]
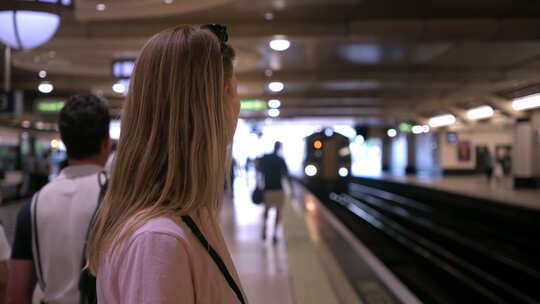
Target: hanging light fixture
[[27, 24]]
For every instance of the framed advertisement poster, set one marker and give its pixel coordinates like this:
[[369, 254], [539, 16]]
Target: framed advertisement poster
[[464, 150]]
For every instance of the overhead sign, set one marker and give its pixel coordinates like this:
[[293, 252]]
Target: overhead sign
[[252, 105], [50, 106], [122, 68], [405, 127]]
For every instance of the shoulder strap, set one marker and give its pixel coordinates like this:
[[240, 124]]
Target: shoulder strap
[[35, 238], [215, 256], [103, 183]]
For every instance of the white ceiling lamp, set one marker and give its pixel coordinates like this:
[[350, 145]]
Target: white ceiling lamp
[[482, 112], [27, 24], [417, 129], [274, 103], [273, 113], [391, 133], [527, 102], [45, 87], [42, 74], [442, 120], [100, 7], [279, 44], [168, 1], [120, 87], [276, 86]]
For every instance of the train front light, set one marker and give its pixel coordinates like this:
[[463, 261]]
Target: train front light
[[343, 172], [310, 170]]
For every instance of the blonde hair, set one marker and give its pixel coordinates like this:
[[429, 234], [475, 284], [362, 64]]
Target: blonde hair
[[175, 131]]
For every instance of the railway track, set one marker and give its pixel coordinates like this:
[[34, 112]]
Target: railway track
[[446, 249]]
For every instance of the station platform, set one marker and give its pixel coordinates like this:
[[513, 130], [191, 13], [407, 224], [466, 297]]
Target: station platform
[[316, 260], [476, 186]]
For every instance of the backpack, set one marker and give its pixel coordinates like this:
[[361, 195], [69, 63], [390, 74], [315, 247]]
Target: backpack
[[87, 281]]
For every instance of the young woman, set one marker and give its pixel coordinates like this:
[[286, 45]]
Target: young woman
[[160, 208]]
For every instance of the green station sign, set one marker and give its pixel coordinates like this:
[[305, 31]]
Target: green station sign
[[252, 105], [405, 127], [50, 106]]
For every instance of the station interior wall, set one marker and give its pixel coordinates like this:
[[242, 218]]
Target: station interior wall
[[490, 137]]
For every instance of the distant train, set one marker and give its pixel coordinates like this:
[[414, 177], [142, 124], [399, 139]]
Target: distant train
[[327, 159]]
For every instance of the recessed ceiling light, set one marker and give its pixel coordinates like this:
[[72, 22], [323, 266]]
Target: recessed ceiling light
[[273, 113], [42, 74], [45, 87], [119, 88], [101, 7], [274, 103], [168, 1], [391, 133], [280, 44], [276, 86]]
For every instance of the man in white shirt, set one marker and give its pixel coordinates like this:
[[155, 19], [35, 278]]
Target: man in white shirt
[[51, 229], [4, 257]]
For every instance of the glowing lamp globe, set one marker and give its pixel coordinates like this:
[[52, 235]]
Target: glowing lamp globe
[[27, 24]]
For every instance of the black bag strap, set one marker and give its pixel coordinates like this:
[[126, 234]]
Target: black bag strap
[[215, 256], [102, 182]]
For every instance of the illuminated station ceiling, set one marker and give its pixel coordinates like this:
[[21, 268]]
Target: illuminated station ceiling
[[375, 61]]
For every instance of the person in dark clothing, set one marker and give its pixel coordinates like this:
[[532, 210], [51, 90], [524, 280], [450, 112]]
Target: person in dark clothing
[[273, 168], [488, 166]]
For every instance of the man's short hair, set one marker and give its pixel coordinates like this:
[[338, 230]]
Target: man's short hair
[[84, 124]]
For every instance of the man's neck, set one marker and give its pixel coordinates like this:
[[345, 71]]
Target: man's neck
[[80, 162]]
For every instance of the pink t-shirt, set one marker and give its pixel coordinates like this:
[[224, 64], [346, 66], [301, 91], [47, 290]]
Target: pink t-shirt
[[163, 262]]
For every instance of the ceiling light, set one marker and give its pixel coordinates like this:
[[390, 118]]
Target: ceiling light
[[343, 172], [276, 86], [168, 1], [24, 29], [417, 129], [273, 113], [119, 88], [527, 102], [280, 44], [45, 87], [391, 133], [274, 103], [482, 112], [442, 120], [101, 7], [42, 74], [310, 170]]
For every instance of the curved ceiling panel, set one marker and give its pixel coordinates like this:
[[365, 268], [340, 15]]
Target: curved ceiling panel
[[93, 57], [129, 9]]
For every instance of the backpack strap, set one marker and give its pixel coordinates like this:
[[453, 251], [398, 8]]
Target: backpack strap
[[215, 256], [35, 241], [103, 183]]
